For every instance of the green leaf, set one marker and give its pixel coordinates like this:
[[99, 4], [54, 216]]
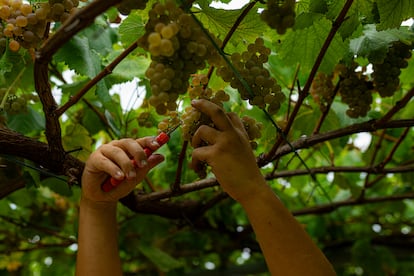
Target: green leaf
[[161, 259], [219, 22], [318, 6], [80, 56], [28, 122], [394, 12], [303, 46], [135, 66], [77, 139], [8, 60], [131, 29], [374, 44], [57, 185], [103, 37]]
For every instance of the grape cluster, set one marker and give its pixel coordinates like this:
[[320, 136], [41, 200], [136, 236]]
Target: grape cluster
[[322, 90], [178, 48], [145, 119], [253, 129], [355, 91], [170, 121], [192, 119], [126, 6], [24, 25], [14, 104], [386, 74], [58, 10], [279, 15], [264, 92], [19, 25]]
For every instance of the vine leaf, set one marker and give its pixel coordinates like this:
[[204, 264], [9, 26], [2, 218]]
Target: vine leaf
[[76, 136], [392, 13], [131, 28], [307, 43], [79, 56], [57, 186], [374, 44], [219, 22], [28, 122], [10, 64]]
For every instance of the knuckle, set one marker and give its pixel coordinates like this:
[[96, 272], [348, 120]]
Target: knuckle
[[218, 111]]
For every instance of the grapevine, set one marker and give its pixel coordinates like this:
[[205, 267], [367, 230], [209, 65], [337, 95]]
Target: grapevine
[[178, 48], [386, 74], [279, 14], [265, 91]]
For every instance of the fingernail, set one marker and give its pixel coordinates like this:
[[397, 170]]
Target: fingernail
[[193, 102], [155, 143], [144, 163], [119, 175], [132, 174]]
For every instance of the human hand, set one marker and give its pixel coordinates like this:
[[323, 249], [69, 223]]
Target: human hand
[[228, 152], [114, 159]]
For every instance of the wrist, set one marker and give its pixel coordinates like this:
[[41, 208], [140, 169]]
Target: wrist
[[251, 191], [97, 206]]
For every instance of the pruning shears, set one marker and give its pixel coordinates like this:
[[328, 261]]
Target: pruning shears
[[161, 138]]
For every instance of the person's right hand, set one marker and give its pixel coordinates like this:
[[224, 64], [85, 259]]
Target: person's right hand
[[114, 159], [228, 152]]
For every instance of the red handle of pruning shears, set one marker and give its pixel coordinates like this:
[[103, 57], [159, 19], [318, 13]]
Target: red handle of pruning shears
[[162, 139]]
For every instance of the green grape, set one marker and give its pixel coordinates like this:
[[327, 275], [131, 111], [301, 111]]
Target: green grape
[[322, 90], [279, 14], [21, 21], [5, 12], [175, 57], [356, 92], [14, 45], [251, 68]]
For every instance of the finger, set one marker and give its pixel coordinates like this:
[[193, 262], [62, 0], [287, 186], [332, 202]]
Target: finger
[[134, 150], [106, 166], [148, 142], [237, 122], [200, 155], [204, 134], [216, 113], [120, 158]]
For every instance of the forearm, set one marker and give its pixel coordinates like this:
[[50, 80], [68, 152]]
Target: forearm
[[98, 240], [287, 248]]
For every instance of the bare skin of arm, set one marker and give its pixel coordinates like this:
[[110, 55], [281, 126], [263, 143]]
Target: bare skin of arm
[[98, 234], [286, 246]]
